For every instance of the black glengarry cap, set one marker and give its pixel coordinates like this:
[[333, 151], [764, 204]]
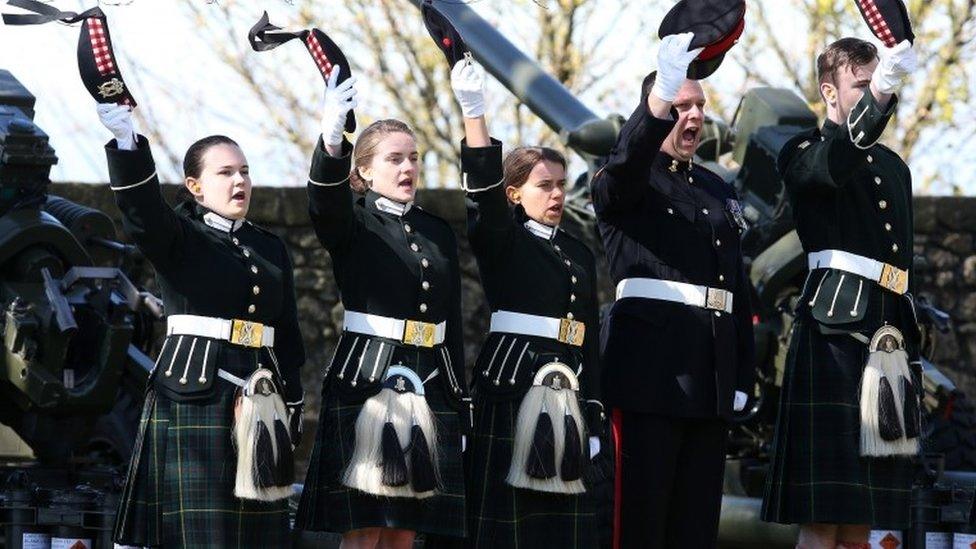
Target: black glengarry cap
[[447, 38], [716, 24], [888, 20]]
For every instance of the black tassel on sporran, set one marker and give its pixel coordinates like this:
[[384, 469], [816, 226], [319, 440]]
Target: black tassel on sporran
[[572, 465], [394, 462], [423, 477]]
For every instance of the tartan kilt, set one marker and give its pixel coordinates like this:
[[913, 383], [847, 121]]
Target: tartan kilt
[[503, 516], [817, 473], [179, 491], [328, 505]]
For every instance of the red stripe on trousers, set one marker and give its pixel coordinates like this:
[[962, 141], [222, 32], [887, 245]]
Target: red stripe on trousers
[[617, 430]]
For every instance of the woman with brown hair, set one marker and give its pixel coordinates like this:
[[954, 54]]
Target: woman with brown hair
[[387, 457], [212, 463], [537, 376]]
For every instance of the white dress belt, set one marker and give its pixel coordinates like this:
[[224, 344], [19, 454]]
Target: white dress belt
[[390, 328], [679, 292], [510, 322], [889, 276], [218, 328]]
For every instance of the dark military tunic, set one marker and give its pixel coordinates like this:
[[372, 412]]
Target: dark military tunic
[[670, 370], [665, 219], [525, 270], [396, 261], [179, 491], [854, 197]]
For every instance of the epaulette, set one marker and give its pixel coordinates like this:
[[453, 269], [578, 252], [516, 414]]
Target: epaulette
[[797, 143]]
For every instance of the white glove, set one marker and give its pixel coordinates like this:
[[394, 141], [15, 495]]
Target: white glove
[[895, 65], [339, 100], [739, 403], [673, 59], [468, 83], [464, 443], [118, 120], [594, 446]]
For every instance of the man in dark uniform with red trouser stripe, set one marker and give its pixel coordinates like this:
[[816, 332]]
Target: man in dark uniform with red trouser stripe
[[677, 343]]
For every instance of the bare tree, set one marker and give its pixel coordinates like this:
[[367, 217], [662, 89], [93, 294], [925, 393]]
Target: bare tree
[[594, 47], [406, 74]]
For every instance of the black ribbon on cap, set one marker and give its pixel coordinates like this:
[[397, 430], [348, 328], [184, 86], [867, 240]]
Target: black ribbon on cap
[[264, 36], [97, 66], [444, 34]]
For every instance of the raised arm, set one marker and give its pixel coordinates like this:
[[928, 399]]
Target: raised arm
[[619, 184], [146, 218], [329, 196], [490, 224], [809, 163]]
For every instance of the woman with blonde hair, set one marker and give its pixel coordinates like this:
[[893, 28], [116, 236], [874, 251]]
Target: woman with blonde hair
[[387, 457]]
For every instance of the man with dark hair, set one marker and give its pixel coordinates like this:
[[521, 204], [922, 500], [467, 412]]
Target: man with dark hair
[[846, 379], [677, 343]]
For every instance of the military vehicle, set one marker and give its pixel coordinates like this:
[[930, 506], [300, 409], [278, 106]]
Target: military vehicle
[[75, 332]]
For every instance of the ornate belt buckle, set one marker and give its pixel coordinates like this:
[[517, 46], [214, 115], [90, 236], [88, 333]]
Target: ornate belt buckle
[[894, 279], [716, 299], [571, 331], [246, 333], [419, 334]]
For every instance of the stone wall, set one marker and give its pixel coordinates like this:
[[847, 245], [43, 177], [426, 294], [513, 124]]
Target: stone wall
[[944, 232], [945, 229]]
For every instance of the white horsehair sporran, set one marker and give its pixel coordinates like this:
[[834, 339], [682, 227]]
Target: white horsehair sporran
[[395, 451], [265, 464], [889, 400], [547, 454]]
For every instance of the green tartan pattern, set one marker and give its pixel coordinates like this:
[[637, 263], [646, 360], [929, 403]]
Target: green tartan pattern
[[503, 516], [180, 488], [327, 505], [817, 473]]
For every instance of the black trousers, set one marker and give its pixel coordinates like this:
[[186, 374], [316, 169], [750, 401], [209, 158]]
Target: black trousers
[[669, 480]]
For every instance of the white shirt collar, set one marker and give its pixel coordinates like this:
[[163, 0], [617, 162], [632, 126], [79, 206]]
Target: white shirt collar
[[398, 209], [221, 223], [539, 229]]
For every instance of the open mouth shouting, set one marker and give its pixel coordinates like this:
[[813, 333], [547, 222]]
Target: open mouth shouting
[[690, 136], [405, 184]]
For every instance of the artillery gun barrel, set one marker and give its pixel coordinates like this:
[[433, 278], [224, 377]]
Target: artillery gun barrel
[[579, 128]]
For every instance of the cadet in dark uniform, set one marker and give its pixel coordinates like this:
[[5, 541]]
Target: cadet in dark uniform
[[677, 343], [379, 472], [230, 302], [852, 203], [525, 485]]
